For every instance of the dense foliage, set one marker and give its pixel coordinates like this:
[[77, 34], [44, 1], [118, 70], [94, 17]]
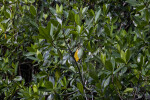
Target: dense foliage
[[110, 40]]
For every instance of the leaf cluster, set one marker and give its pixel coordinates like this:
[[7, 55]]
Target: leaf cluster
[[40, 38]]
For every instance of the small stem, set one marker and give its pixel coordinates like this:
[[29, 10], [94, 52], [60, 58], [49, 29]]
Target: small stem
[[74, 60], [80, 74]]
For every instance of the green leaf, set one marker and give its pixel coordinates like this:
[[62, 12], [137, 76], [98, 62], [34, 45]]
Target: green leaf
[[71, 16], [61, 9], [48, 28], [64, 82], [123, 55], [42, 31], [49, 85], [15, 66], [143, 71], [10, 14], [123, 33], [114, 19], [111, 31], [7, 13], [2, 27], [55, 23], [128, 90], [59, 53], [39, 55], [78, 29], [80, 53], [6, 60], [128, 55], [117, 82], [117, 70], [132, 2], [72, 69], [80, 87], [77, 19], [119, 60], [52, 30], [93, 74], [147, 15], [57, 8], [18, 78], [59, 20], [52, 52], [118, 47], [57, 74], [97, 15], [92, 13], [30, 54], [44, 89], [32, 58], [30, 49], [104, 9], [140, 59], [84, 10], [44, 34], [108, 65], [107, 30], [33, 23], [75, 34], [106, 83], [123, 70], [41, 74], [140, 7], [35, 89], [133, 65], [89, 45], [33, 10], [103, 58]]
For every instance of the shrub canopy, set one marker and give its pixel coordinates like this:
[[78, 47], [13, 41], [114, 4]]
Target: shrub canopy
[[74, 49]]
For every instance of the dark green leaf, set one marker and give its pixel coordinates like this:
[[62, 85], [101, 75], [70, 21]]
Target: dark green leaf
[[106, 83], [80, 87], [108, 65], [128, 55], [119, 60], [33, 10]]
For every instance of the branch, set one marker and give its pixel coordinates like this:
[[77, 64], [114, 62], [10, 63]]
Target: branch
[[74, 60]]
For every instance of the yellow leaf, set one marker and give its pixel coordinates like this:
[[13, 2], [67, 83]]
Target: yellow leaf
[[5, 36], [76, 56]]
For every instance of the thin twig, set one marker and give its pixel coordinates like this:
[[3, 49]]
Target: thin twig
[[74, 60]]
